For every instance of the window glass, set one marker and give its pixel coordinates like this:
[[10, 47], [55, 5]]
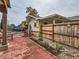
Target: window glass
[[35, 24]]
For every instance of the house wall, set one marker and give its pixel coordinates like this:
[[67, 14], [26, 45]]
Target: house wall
[[32, 27]]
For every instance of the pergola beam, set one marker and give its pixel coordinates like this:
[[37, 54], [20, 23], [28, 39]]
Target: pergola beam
[[4, 26], [3, 9], [4, 23]]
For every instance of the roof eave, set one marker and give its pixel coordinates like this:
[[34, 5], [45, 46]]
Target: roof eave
[[53, 17]]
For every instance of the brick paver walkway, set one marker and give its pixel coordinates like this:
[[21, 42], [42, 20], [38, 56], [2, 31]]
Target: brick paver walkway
[[24, 48]]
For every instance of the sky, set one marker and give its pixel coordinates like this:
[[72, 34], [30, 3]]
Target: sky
[[17, 12]]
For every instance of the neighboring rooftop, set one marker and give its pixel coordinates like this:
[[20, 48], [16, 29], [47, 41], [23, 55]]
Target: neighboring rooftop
[[74, 17], [54, 16]]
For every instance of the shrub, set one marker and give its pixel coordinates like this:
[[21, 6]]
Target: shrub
[[58, 47], [40, 42], [46, 45], [40, 39], [55, 49], [43, 43]]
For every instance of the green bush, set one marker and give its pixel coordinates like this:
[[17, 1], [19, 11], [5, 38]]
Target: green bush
[[58, 47], [46, 45], [40, 42], [40, 39], [43, 43], [55, 49]]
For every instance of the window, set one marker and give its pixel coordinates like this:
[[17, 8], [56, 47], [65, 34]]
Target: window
[[35, 24]]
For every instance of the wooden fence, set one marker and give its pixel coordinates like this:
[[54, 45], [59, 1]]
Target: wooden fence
[[64, 33]]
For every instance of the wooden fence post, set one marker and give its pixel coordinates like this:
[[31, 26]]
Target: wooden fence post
[[40, 30], [53, 30]]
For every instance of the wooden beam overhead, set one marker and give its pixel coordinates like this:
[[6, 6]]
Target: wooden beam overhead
[[4, 6], [8, 3]]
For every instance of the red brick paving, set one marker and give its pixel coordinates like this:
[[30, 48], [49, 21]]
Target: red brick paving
[[24, 48]]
